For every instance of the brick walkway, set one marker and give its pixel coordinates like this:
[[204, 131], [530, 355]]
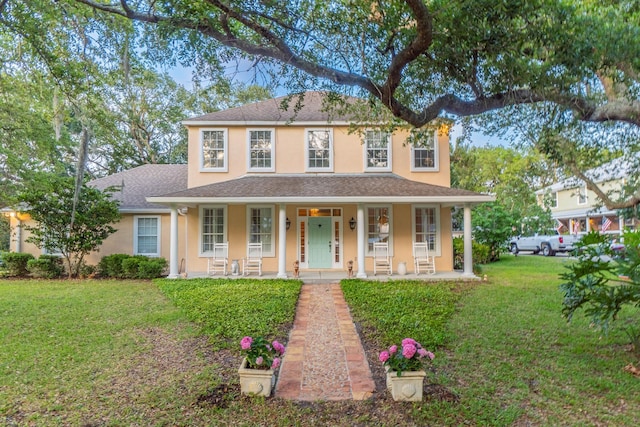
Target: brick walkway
[[324, 358]]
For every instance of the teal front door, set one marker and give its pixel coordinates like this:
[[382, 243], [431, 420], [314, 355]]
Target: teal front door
[[320, 243]]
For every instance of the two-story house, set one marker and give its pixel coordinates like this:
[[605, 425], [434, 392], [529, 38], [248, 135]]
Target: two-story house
[[301, 183], [577, 209]]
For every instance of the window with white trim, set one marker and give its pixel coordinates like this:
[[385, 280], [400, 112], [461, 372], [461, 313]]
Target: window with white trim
[[212, 227], [378, 226], [260, 228], [424, 154], [213, 153], [582, 196], [377, 150], [261, 149], [146, 235], [426, 226], [319, 150], [551, 200]]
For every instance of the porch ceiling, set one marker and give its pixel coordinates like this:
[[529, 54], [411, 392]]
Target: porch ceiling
[[321, 189]]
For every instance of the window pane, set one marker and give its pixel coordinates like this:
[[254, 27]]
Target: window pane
[[378, 226], [213, 148], [319, 149], [425, 224], [377, 143], [424, 157], [212, 228], [147, 235], [261, 148], [261, 226]]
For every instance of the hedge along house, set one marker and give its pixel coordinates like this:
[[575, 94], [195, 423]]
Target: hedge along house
[[308, 189]]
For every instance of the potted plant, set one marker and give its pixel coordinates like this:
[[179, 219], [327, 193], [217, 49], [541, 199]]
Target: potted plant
[[405, 375], [257, 371]]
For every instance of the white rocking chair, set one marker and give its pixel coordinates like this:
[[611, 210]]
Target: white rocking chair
[[422, 259], [220, 260], [253, 261], [381, 258]]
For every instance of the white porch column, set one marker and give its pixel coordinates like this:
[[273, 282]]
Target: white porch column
[[18, 234], [282, 243], [173, 245], [361, 243], [468, 248]]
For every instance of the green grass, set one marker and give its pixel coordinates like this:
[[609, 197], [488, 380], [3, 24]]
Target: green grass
[[394, 310], [229, 310], [133, 353]]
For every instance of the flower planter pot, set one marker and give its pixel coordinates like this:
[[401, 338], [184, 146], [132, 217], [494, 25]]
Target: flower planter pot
[[256, 382], [406, 388]]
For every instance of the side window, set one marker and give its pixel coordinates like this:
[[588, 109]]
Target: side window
[[377, 150], [261, 149], [213, 150], [146, 235]]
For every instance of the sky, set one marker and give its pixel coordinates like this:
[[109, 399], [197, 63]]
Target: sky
[[183, 75]]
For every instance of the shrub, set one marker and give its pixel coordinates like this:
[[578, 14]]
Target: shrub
[[152, 268], [46, 267], [111, 266], [16, 263], [481, 253], [123, 266]]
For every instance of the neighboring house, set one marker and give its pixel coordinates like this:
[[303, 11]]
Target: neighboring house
[[576, 209], [302, 184]]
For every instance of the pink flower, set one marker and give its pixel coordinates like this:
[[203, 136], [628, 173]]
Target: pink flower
[[384, 356], [430, 355], [393, 349], [259, 360], [278, 347], [409, 350], [275, 363], [245, 343], [409, 341], [422, 352]]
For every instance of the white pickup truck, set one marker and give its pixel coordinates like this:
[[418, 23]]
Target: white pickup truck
[[548, 244]]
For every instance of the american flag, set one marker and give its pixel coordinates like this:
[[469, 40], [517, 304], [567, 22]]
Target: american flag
[[606, 223]]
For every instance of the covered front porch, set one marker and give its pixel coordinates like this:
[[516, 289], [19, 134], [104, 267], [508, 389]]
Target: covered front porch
[[359, 211]]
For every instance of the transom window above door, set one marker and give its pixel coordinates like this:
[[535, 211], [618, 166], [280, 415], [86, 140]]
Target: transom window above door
[[319, 150]]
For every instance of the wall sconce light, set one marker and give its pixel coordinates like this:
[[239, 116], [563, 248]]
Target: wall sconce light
[[288, 222], [352, 224]]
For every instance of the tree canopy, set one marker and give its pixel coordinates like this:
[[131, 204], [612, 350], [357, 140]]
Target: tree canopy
[[565, 67]]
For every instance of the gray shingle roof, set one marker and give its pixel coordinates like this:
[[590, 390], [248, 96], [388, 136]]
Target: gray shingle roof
[[311, 110], [300, 188], [144, 181]]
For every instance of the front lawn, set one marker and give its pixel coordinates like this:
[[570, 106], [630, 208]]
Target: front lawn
[[164, 353]]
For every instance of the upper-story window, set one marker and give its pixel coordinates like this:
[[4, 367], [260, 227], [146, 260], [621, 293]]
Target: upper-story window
[[551, 200], [319, 150], [582, 196], [261, 150], [377, 150], [214, 153], [424, 154]]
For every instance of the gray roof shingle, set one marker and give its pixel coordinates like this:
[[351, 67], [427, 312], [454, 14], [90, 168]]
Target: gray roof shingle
[[144, 181], [312, 109], [306, 187]]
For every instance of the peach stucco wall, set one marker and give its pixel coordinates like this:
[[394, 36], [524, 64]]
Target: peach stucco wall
[[348, 154]]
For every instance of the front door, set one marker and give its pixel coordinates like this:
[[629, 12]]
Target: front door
[[320, 242]]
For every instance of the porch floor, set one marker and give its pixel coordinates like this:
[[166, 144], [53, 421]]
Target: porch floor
[[332, 276]]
